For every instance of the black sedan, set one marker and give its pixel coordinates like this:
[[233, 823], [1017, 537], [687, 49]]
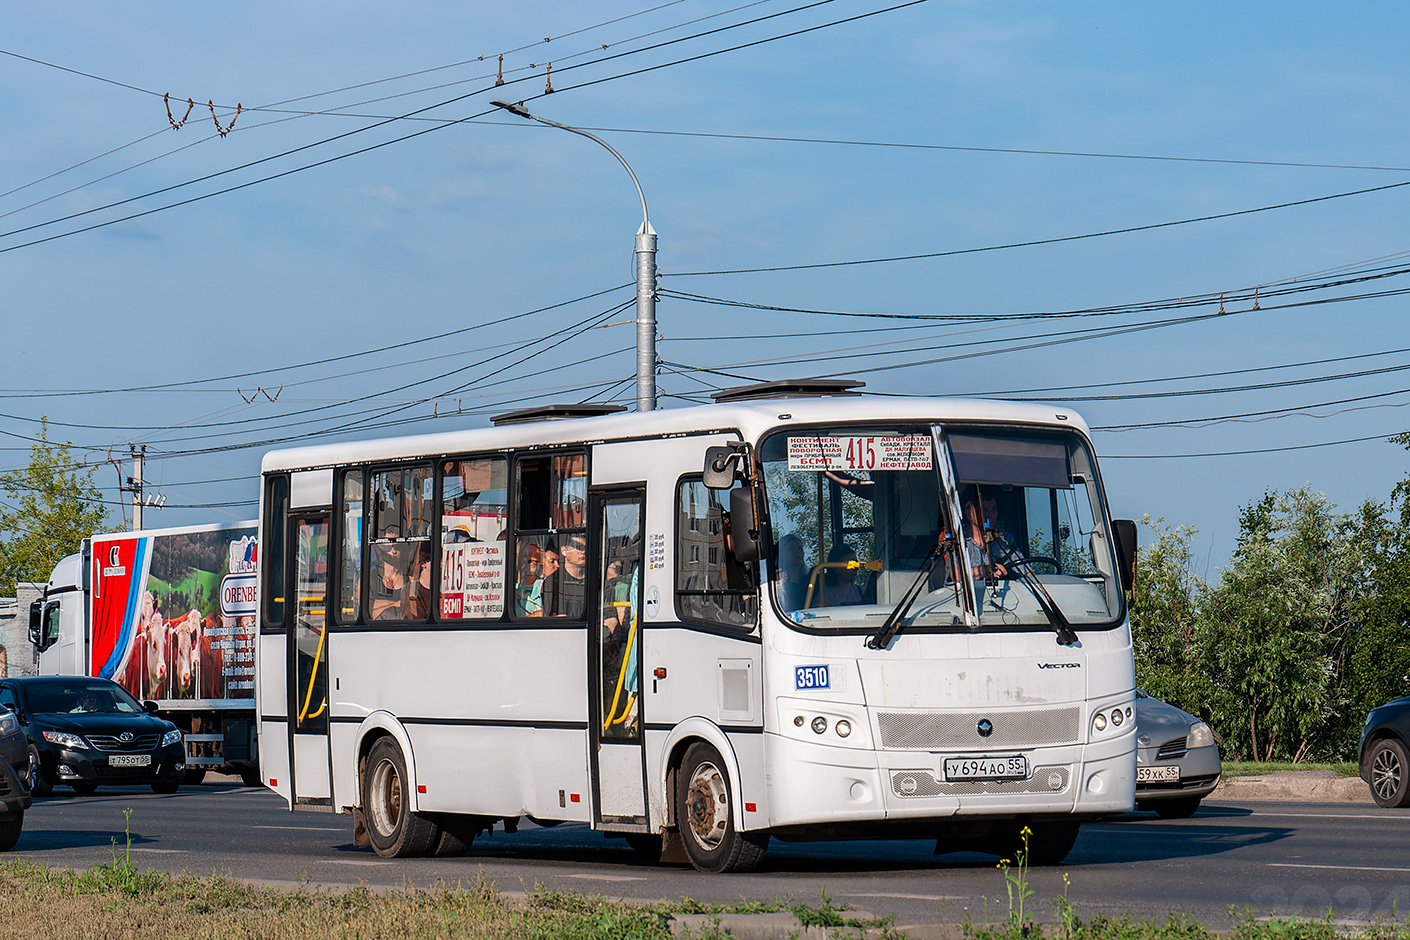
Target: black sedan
[[1385, 757], [85, 732]]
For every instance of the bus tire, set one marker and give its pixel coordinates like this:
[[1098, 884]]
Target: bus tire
[[395, 831], [1048, 842], [457, 833], [704, 813]]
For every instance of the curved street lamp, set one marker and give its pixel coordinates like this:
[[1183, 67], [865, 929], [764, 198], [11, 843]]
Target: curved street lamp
[[645, 271]]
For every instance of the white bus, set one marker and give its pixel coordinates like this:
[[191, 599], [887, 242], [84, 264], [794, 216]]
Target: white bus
[[797, 613]]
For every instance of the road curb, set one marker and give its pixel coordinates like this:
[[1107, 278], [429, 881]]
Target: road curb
[[1313, 786]]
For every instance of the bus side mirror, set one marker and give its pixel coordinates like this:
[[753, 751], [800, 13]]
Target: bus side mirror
[[746, 531], [1125, 532], [719, 467], [35, 613]]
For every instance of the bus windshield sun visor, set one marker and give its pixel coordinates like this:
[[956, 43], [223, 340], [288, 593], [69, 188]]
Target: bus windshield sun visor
[[1009, 460]]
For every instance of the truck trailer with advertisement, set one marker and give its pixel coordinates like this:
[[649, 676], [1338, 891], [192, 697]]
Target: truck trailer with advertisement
[[168, 614]]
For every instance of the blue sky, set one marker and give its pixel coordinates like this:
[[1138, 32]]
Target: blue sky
[[490, 217]]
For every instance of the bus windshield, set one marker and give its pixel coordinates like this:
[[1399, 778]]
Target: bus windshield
[[857, 517]]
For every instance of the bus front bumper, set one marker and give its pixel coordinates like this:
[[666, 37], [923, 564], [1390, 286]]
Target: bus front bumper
[[818, 784]]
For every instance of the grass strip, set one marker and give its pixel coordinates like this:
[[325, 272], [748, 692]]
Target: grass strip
[[1251, 768]]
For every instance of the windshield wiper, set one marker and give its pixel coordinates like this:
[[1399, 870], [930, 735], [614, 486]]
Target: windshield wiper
[[1065, 634], [892, 626]]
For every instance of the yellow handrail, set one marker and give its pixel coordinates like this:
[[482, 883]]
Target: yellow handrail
[[621, 680], [317, 659], [874, 565]]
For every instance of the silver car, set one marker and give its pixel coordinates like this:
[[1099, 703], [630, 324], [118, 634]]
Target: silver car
[[1177, 761]]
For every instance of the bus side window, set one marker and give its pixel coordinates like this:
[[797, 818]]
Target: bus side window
[[351, 518], [550, 541], [276, 512], [474, 518], [711, 584], [400, 572]]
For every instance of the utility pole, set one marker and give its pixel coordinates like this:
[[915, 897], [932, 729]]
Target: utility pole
[[134, 486], [645, 252]]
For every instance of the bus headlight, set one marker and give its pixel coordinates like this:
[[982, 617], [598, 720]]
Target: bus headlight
[[1116, 717], [819, 724], [1200, 735], [1099, 722], [843, 727]]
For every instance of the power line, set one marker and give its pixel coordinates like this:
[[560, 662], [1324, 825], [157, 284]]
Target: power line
[[1255, 450], [403, 138], [1044, 241]]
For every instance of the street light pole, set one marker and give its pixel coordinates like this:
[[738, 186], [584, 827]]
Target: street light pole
[[645, 271]]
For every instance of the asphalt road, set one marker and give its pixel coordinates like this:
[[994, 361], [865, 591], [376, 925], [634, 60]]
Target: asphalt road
[[1271, 858]]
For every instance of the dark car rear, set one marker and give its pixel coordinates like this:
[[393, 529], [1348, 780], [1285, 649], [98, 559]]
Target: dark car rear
[[84, 732], [1385, 753]]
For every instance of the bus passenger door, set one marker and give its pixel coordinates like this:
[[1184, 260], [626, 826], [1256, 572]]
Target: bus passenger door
[[308, 662], [614, 660]]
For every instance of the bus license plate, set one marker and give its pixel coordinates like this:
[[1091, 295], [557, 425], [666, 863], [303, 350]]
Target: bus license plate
[[1149, 774], [986, 768], [130, 760], [811, 677]]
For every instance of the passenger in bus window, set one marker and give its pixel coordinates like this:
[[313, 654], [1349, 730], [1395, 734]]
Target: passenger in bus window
[[792, 574], [389, 585], [564, 591], [981, 560], [417, 605], [840, 583], [528, 580], [1003, 544]]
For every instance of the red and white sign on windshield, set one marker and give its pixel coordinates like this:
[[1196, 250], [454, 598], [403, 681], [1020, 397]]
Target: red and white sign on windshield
[[890, 452]]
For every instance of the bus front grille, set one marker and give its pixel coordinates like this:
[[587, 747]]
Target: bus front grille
[[939, 731], [922, 783]]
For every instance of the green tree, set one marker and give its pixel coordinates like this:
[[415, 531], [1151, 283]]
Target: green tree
[[48, 508], [1379, 665], [1278, 626], [1166, 607]]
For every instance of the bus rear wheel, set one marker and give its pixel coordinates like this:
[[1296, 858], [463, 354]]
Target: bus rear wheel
[[395, 831], [705, 815]]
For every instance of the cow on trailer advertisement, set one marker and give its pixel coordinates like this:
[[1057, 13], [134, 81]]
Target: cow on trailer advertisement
[[174, 613]]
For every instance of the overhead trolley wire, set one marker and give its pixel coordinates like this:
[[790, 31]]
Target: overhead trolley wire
[[1045, 241], [1254, 450], [405, 137]]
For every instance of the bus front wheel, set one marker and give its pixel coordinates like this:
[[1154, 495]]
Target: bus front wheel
[[705, 816], [395, 831]]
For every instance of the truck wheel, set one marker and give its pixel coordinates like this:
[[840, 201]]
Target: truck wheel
[[10, 830], [1390, 773], [395, 831], [249, 776], [38, 784], [84, 789], [704, 813], [1181, 808], [166, 786], [195, 777]]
